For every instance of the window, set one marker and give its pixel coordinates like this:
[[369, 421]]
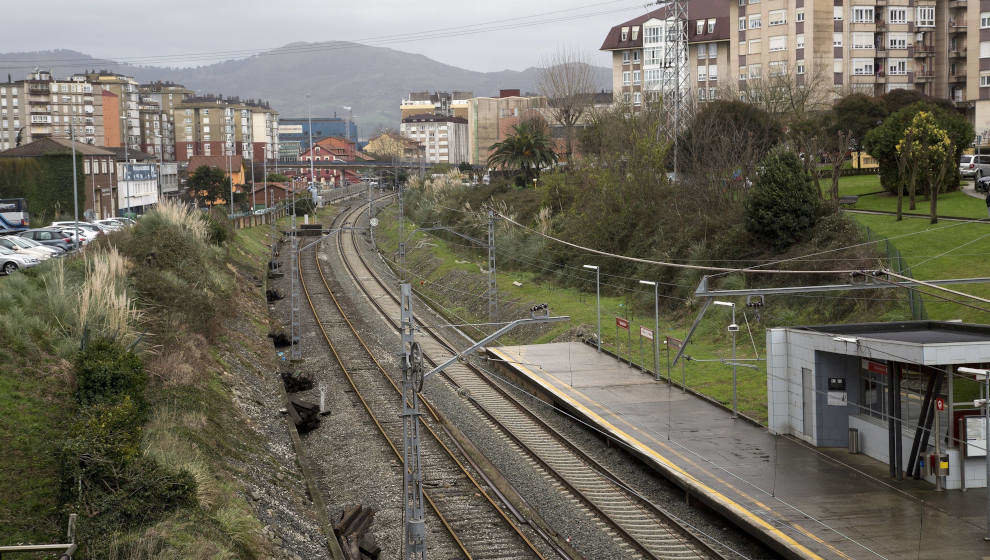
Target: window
[[897, 66], [702, 73], [777, 17], [625, 34], [837, 66], [755, 71], [837, 13], [635, 61], [702, 51], [799, 41], [799, 68], [742, 2], [86, 166], [863, 14], [862, 66], [652, 78], [626, 97], [897, 40], [712, 94], [985, 79], [712, 50], [754, 46], [778, 43], [742, 23], [755, 21], [837, 39], [700, 27], [926, 16], [207, 149], [743, 71], [985, 49], [626, 78], [713, 73], [637, 98], [637, 77], [897, 15], [702, 92], [862, 40], [711, 26], [985, 20], [776, 68], [635, 33], [651, 35], [626, 57], [652, 56]]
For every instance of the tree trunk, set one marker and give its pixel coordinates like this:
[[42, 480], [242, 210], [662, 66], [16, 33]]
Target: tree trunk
[[933, 188], [911, 189], [900, 201]]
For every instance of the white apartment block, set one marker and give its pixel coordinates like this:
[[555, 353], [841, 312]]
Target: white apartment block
[[42, 106], [444, 139]]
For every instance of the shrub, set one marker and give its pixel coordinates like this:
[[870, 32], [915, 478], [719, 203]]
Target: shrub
[[219, 228], [107, 373], [783, 205]]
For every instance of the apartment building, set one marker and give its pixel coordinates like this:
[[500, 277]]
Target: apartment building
[[444, 138], [128, 98], [442, 103], [264, 132], [642, 62], [866, 46], [43, 106], [166, 95], [215, 125]]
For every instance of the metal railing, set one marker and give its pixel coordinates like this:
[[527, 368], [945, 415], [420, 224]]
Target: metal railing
[[67, 549]]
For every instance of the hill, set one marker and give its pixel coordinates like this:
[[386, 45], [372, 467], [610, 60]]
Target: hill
[[370, 79]]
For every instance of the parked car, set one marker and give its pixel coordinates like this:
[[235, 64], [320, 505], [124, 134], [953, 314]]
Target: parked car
[[11, 262], [55, 251], [983, 184], [50, 236], [85, 234], [111, 224], [11, 242], [85, 226], [975, 167]]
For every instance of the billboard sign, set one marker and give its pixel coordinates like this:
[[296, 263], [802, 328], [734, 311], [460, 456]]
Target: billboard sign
[[622, 323], [646, 333], [140, 172]]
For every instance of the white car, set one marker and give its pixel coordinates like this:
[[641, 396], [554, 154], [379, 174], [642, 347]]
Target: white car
[[85, 226], [13, 243], [32, 244], [85, 235], [11, 262], [112, 225]]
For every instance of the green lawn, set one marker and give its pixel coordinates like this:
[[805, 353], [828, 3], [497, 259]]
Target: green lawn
[[954, 203]]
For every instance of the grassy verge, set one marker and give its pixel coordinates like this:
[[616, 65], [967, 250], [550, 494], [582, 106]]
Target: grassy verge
[[194, 366], [437, 264], [955, 203]]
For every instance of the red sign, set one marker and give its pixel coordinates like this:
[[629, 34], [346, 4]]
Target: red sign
[[622, 323], [939, 404], [646, 333], [671, 341], [875, 367]]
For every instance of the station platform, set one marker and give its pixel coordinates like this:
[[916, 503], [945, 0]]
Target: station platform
[[801, 501]]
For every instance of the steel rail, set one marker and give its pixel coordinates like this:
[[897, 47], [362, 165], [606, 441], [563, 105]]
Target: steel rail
[[648, 507], [462, 468]]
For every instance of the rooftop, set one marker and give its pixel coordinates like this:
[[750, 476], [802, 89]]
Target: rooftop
[[913, 332], [46, 146], [697, 10]]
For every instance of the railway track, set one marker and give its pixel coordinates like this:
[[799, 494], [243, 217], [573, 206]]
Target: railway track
[[462, 505], [640, 528]]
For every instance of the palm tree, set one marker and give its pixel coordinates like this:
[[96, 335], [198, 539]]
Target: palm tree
[[527, 150]]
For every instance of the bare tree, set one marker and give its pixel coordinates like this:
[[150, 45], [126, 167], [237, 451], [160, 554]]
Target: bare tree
[[567, 81]]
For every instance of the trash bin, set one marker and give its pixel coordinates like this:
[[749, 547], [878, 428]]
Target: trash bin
[[854, 441]]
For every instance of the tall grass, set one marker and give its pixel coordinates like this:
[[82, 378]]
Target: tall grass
[[98, 306], [183, 216]]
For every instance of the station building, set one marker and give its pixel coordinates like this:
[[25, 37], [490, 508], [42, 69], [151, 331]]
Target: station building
[[887, 390]]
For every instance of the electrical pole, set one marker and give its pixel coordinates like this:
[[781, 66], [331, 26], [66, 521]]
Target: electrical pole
[[674, 88], [127, 186], [414, 541], [492, 286], [312, 149], [295, 353], [402, 238], [75, 180]]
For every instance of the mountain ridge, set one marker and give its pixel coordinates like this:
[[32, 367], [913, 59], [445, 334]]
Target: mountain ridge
[[372, 80]]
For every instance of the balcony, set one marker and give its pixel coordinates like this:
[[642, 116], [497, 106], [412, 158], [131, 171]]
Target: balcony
[[959, 76], [38, 90], [958, 4], [924, 76], [957, 25], [922, 50]]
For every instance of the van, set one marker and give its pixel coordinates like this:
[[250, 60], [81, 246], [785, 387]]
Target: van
[[974, 166]]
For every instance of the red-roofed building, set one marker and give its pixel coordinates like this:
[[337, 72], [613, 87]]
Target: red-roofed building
[[638, 49], [331, 148]]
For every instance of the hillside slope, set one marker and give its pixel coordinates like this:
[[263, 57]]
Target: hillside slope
[[372, 80]]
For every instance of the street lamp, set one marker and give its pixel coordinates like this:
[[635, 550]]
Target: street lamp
[[598, 302], [656, 325], [984, 403], [733, 328]]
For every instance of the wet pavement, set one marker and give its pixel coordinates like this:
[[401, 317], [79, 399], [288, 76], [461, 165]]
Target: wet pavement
[[805, 502]]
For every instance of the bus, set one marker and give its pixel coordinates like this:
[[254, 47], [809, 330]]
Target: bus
[[14, 215]]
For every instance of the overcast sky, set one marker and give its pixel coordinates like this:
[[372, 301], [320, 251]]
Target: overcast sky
[[125, 29]]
